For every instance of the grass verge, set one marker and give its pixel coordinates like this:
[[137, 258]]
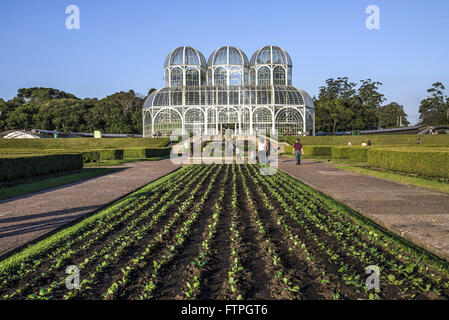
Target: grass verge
[[109, 163], [47, 183], [399, 178]]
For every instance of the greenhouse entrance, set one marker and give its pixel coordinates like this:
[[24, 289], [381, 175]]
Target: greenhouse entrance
[[226, 126]]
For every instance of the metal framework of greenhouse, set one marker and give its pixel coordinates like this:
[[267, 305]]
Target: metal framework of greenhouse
[[228, 92]]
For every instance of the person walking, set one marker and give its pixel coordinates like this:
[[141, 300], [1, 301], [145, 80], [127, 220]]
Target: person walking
[[261, 148], [298, 151], [267, 149]]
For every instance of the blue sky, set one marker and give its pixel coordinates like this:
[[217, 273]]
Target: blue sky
[[122, 45]]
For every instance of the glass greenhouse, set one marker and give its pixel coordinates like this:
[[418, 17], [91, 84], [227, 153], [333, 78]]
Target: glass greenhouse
[[228, 92]]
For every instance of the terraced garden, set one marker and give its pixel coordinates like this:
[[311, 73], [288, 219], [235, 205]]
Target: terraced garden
[[224, 232]]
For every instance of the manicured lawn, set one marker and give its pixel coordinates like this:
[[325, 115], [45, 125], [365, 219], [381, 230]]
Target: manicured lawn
[[110, 163], [74, 144], [47, 183], [433, 184]]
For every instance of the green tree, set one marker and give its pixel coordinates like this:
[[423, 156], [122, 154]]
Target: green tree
[[39, 95], [392, 115], [355, 109], [434, 110], [22, 117], [3, 114], [120, 112], [332, 108], [370, 100]]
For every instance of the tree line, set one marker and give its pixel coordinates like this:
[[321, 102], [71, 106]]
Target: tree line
[[341, 105], [52, 109]]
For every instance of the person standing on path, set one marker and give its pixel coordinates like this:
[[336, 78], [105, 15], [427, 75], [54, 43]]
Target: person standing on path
[[267, 149], [298, 151], [261, 150]]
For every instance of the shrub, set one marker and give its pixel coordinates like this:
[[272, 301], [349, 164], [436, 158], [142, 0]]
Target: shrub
[[429, 164], [358, 154], [376, 140], [146, 153], [83, 143], [25, 167], [314, 151], [317, 151], [288, 149], [99, 155], [339, 153]]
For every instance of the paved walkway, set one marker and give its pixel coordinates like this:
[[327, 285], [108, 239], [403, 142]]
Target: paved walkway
[[27, 217], [417, 214]]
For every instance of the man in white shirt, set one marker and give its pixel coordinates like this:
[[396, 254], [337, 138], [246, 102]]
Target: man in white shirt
[[261, 150]]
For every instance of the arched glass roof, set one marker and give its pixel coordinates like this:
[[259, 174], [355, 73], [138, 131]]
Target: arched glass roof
[[249, 95], [271, 55], [228, 55], [187, 56]]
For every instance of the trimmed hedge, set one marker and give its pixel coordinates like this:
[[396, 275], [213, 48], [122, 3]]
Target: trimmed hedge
[[83, 143], [120, 154], [339, 153], [26, 167], [358, 154], [376, 140], [429, 164], [316, 151], [313, 151], [146, 153], [99, 155]]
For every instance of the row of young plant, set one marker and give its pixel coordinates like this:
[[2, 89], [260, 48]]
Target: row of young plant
[[369, 247], [350, 244], [287, 218], [292, 239], [143, 235], [406, 256], [277, 264], [236, 269], [177, 242], [193, 283], [130, 219], [96, 230], [101, 258]]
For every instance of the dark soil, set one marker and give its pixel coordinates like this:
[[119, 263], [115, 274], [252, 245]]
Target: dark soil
[[318, 278]]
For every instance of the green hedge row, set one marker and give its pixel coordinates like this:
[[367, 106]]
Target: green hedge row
[[83, 143], [101, 155], [377, 140], [355, 154], [429, 164], [26, 167], [358, 154], [146, 153], [317, 151], [339, 153], [119, 154], [311, 150]]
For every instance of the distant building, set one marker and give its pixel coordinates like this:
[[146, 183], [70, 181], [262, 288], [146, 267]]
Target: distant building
[[19, 134], [228, 92]]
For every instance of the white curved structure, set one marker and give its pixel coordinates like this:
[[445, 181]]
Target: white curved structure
[[228, 92]]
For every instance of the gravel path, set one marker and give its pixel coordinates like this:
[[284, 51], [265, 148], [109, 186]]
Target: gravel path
[[28, 217], [417, 214]]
